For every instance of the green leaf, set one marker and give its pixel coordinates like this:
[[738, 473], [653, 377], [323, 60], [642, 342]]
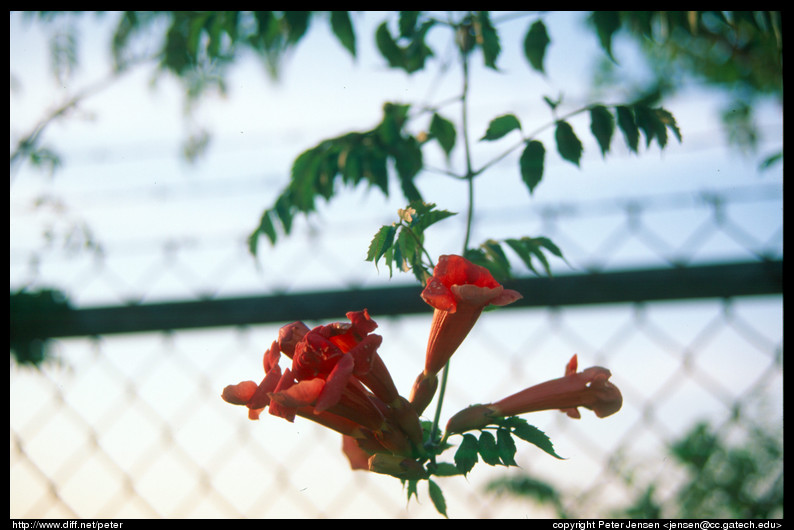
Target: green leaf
[[253, 242], [411, 57], [526, 248], [535, 250], [602, 125], [24, 305], [445, 469], [545, 242], [437, 497], [407, 253], [411, 490], [498, 264], [536, 437], [524, 486], [407, 23], [520, 248], [535, 44], [388, 47], [770, 161], [553, 103], [650, 125], [606, 23], [407, 155], [667, 118], [529, 249], [283, 211], [417, 52], [302, 179], [654, 124], [429, 217], [486, 36], [63, 53], [389, 130], [500, 126], [297, 22], [531, 164], [443, 130], [266, 227], [343, 29], [488, 450], [466, 455], [627, 124], [568, 145], [477, 256], [506, 447], [382, 242]]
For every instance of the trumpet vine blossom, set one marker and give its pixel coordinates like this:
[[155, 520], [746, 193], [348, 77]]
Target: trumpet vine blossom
[[458, 291], [589, 388], [338, 380], [333, 375]]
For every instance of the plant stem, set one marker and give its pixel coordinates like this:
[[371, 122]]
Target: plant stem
[[467, 148], [469, 215], [441, 390]]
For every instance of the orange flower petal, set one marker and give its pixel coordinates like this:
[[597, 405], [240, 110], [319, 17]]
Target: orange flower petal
[[240, 393], [335, 384], [300, 394]]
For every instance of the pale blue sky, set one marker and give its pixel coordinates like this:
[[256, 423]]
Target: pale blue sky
[[120, 149]]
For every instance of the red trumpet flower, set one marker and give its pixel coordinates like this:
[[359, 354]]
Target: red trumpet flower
[[458, 291], [338, 380], [590, 388]]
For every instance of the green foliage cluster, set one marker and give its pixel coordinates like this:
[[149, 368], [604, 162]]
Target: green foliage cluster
[[500, 449], [23, 306], [495, 449], [721, 480], [739, 50], [631, 120], [735, 481], [351, 159], [391, 151], [723, 48], [401, 244], [738, 53]]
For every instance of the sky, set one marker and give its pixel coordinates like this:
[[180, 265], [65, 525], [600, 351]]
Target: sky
[[121, 148], [123, 178]]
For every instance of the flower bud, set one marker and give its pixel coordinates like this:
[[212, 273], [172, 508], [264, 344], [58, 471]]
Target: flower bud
[[423, 391], [396, 466], [470, 419]]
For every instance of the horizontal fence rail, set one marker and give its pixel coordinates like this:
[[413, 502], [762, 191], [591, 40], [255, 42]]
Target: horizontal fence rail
[[704, 281]]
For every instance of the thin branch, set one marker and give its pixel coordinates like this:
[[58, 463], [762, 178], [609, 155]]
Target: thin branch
[[529, 137], [28, 142], [467, 147]]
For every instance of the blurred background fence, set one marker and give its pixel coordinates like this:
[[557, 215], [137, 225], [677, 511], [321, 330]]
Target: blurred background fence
[[680, 296]]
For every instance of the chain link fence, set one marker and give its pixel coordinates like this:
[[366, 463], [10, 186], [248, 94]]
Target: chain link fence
[[132, 425]]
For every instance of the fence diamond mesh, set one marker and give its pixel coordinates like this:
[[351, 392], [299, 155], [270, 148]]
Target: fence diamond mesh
[[132, 425]]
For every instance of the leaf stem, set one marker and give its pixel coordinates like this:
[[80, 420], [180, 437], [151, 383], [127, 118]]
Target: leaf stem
[[421, 246], [529, 137]]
